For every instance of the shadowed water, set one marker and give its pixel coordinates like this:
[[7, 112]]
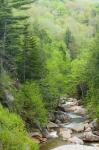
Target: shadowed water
[[52, 143]]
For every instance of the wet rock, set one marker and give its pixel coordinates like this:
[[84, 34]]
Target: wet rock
[[69, 104], [76, 140], [95, 144], [77, 127], [65, 134], [88, 129], [37, 137], [86, 125], [50, 132], [76, 147], [72, 99], [90, 137], [45, 133], [52, 117], [94, 125], [76, 109], [57, 121], [79, 110], [52, 125], [61, 116], [96, 133], [35, 134]]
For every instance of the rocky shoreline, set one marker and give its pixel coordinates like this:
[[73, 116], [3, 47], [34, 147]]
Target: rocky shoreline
[[70, 123]]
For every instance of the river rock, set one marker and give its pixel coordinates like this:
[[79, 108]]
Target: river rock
[[86, 125], [61, 116], [52, 125], [76, 109], [37, 137], [79, 110], [90, 137], [65, 134], [76, 140], [63, 98], [94, 125], [76, 127], [57, 121], [72, 99], [76, 147], [52, 117], [69, 104], [35, 134], [95, 144], [88, 129], [45, 133], [80, 127], [96, 133]]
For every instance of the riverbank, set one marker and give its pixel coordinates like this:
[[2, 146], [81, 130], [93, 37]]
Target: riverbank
[[71, 126]]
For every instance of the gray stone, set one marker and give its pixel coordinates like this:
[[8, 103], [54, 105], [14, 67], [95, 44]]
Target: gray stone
[[90, 137], [76, 147]]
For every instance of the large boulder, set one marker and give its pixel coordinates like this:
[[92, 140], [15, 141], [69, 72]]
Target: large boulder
[[76, 127], [76, 147], [76, 140], [90, 137], [76, 109], [61, 116], [80, 110], [79, 127]]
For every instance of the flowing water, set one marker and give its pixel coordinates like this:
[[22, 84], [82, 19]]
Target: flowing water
[[56, 142], [53, 143]]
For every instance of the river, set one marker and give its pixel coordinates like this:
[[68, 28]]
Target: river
[[56, 142]]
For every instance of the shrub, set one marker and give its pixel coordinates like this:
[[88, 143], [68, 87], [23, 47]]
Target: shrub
[[13, 135], [29, 103]]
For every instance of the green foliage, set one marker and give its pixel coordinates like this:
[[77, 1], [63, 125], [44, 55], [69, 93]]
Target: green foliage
[[13, 135], [29, 103], [93, 74], [47, 49]]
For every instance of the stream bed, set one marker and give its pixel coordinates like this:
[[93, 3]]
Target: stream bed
[[75, 119]]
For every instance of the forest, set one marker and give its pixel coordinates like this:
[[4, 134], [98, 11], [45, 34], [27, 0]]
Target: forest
[[48, 49]]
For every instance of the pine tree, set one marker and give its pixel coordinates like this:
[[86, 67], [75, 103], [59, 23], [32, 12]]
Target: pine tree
[[12, 34]]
